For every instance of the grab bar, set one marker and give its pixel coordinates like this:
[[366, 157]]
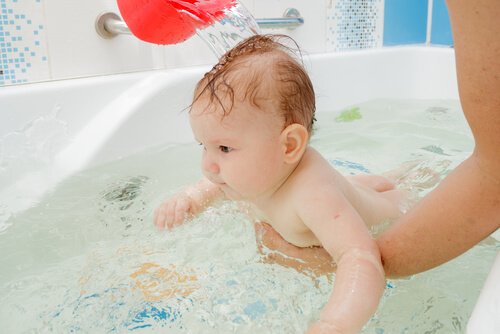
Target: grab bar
[[291, 19], [109, 25]]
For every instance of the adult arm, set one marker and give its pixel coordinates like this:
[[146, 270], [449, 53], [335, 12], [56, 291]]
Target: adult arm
[[465, 207]]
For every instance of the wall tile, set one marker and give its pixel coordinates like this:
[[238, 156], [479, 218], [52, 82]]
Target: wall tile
[[441, 29], [23, 42], [405, 22], [311, 35], [354, 24], [76, 50], [55, 39]]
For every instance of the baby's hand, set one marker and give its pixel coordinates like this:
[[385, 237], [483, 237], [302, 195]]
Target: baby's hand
[[175, 210]]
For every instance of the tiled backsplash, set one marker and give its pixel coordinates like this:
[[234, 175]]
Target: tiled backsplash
[[23, 47], [354, 24], [44, 40]]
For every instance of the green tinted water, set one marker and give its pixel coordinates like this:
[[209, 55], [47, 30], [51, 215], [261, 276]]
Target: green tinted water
[[87, 259]]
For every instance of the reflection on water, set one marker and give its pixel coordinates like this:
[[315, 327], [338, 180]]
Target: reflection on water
[[120, 200], [87, 258]]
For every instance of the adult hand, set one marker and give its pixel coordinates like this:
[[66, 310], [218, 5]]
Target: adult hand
[[313, 261]]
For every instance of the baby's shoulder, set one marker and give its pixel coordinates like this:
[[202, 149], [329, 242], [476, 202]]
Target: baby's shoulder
[[311, 180], [314, 169]]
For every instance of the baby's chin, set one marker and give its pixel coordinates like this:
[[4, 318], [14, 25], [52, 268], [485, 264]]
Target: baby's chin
[[230, 193]]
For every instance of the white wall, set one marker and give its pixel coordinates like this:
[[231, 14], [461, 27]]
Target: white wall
[[55, 39]]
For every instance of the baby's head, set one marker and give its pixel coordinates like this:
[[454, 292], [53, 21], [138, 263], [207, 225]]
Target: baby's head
[[253, 114], [264, 72]]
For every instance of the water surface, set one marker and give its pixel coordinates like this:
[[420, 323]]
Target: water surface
[[87, 259]]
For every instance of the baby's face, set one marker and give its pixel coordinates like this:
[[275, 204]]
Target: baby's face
[[242, 151]]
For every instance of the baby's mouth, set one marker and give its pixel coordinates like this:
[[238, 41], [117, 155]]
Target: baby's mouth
[[220, 184]]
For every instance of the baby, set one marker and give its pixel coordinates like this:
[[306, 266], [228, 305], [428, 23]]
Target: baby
[[253, 114]]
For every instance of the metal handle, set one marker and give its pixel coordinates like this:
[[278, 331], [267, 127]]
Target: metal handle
[[291, 19], [109, 25]]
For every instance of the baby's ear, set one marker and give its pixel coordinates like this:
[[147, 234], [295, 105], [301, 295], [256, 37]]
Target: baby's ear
[[294, 138]]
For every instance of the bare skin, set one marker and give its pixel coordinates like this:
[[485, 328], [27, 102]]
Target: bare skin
[[248, 155], [465, 208]]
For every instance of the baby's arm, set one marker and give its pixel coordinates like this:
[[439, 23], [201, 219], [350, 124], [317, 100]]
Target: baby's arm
[[174, 210], [359, 282]]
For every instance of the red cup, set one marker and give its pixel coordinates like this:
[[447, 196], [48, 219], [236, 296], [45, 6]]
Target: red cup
[[170, 21]]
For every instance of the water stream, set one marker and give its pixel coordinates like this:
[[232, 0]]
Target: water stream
[[236, 25]]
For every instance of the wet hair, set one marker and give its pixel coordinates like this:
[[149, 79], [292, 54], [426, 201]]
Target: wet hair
[[263, 71]]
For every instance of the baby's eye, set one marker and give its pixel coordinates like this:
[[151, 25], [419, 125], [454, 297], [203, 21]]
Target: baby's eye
[[225, 149], [201, 144]]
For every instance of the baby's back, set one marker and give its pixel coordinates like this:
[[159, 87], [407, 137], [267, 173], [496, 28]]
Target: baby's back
[[362, 192], [374, 205], [374, 197]]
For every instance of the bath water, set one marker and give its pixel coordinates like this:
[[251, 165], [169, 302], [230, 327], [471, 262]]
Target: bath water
[[87, 258]]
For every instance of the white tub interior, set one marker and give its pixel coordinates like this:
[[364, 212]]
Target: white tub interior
[[107, 117], [69, 125], [52, 130]]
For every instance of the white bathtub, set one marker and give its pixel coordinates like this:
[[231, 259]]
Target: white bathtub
[[107, 117], [52, 130]]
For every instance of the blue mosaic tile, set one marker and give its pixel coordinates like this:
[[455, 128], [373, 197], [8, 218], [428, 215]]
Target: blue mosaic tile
[[22, 42], [354, 24]]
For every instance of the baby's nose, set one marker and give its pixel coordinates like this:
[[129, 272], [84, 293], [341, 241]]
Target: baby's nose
[[208, 165]]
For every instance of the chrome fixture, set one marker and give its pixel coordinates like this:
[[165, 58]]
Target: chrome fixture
[[291, 19], [109, 25]]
